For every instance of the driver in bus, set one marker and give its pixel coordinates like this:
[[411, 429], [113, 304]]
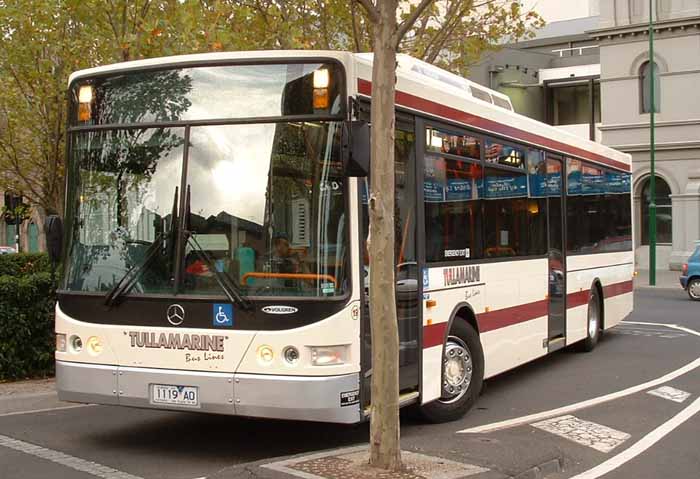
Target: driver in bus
[[285, 260]]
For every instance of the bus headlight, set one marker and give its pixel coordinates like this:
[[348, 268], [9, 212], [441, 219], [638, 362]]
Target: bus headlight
[[291, 355], [60, 342], [265, 354], [94, 346], [76, 344], [328, 355]]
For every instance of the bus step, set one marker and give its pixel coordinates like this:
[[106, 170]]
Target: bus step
[[404, 400], [556, 343]]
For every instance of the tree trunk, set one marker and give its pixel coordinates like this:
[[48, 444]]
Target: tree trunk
[[385, 451]]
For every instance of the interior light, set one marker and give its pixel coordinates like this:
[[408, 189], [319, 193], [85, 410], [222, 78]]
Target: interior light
[[85, 94], [321, 78]]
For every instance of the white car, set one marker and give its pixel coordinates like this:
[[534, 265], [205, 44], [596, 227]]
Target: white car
[[7, 250]]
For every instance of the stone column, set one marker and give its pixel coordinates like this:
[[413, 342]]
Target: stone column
[[686, 220]]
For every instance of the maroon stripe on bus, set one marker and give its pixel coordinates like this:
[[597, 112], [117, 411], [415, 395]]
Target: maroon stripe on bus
[[574, 300], [502, 318], [617, 289], [417, 103], [434, 335]]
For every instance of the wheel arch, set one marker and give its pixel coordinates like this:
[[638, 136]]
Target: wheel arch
[[463, 311]]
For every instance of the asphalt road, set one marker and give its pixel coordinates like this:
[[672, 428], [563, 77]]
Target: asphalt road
[[62, 441]]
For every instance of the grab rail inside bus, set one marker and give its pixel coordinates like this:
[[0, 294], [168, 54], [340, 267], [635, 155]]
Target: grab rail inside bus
[[256, 274]]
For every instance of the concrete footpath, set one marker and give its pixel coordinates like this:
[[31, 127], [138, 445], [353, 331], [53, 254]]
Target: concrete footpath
[[664, 279]]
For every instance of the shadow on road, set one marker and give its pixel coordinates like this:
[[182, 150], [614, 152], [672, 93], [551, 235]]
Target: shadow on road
[[238, 439]]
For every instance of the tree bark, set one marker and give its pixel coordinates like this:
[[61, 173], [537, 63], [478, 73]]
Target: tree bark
[[385, 451]]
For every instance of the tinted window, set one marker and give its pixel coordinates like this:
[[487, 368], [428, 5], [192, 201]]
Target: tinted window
[[442, 141], [451, 190], [502, 154], [598, 209], [233, 91], [515, 222]]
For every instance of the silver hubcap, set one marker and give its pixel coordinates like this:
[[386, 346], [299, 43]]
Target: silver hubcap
[[694, 289], [592, 316], [457, 370]]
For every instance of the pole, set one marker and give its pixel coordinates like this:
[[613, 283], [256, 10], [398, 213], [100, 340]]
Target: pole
[[652, 147]]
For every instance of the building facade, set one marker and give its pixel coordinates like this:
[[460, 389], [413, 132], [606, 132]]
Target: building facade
[[623, 40], [591, 76], [29, 233]]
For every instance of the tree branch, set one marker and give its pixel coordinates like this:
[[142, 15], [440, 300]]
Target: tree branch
[[371, 9], [407, 24], [355, 30]]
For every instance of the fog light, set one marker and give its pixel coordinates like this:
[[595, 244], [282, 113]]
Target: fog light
[[76, 344], [291, 355], [94, 345], [60, 342], [265, 354], [328, 355]]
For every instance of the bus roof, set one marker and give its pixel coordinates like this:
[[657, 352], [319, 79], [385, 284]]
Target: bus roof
[[421, 87]]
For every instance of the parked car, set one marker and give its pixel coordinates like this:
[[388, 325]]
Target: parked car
[[7, 250], [690, 275]]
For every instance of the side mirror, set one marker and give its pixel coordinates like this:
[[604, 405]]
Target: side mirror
[[53, 227], [356, 148]]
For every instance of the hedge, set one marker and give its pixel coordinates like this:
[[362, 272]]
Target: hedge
[[24, 263], [27, 301]]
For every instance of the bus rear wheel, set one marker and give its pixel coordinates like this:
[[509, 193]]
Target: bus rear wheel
[[462, 375], [594, 325]]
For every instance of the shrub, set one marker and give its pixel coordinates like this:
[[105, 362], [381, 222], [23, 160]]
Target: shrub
[[24, 264], [27, 300]]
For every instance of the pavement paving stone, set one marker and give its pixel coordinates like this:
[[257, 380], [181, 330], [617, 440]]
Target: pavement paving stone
[[672, 394], [587, 433], [352, 464], [29, 387]]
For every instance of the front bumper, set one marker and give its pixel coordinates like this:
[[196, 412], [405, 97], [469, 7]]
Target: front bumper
[[304, 398], [684, 282]]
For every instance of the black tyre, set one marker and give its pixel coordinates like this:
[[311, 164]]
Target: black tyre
[[694, 289], [462, 376], [594, 324]]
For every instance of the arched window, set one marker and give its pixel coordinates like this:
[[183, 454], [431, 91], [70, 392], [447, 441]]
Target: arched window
[[645, 87], [663, 211]]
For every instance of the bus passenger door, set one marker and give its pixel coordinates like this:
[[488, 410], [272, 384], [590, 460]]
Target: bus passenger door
[[406, 273], [557, 263]]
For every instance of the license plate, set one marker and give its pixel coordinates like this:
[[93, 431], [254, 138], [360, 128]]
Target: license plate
[[178, 395]]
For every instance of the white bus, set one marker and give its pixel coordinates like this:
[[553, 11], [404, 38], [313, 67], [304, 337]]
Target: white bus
[[214, 253]]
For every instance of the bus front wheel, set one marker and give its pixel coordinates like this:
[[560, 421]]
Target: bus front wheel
[[462, 375]]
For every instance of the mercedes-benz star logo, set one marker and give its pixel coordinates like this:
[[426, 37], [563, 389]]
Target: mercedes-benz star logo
[[175, 314]]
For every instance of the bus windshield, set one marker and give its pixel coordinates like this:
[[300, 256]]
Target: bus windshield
[[265, 202]]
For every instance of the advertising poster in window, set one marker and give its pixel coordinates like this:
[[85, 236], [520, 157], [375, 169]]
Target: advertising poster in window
[[505, 186]]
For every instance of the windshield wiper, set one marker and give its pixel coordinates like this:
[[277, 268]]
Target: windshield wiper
[[226, 282], [134, 273]]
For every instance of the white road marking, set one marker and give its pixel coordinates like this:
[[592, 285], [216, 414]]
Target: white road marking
[[519, 421], [72, 462], [642, 445], [673, 326], [672, 394], [586, 433], [32, 411]]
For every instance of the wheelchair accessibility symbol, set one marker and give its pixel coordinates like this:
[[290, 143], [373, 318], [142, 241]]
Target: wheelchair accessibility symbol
[[223, 314]]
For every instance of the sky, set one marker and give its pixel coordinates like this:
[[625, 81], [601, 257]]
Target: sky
[[555, 10]]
